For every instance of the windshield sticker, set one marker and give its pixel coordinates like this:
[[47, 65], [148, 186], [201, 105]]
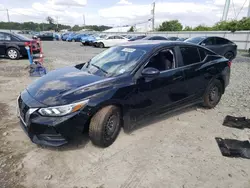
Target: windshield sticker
[[130, 50]]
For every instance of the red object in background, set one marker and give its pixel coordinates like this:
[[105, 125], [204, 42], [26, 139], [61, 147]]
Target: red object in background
[[36, 46], [229, 63]]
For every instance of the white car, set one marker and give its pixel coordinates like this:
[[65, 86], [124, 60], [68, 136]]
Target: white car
[[110, 41]]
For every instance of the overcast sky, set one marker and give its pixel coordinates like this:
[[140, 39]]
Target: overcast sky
[[120, 12]]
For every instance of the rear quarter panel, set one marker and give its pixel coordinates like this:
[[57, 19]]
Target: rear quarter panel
[[215, 69]]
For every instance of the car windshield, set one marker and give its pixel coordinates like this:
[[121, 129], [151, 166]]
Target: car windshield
[[195, 40], [114, 61]]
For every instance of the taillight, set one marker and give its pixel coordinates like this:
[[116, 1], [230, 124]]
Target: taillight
[[229, 63]]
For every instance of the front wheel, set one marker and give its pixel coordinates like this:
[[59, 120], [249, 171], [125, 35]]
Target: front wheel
[[13, 53], [105, 126], [213, 94]]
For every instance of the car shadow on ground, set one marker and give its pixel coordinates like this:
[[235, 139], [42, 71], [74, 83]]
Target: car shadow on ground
[[81, 140], [161, 116]]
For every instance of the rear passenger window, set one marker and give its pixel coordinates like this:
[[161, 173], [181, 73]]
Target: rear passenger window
[[190, 55], [221, 41]]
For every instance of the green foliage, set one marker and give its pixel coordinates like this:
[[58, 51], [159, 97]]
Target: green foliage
[[173, 25], [48, 26], [202, 28], [131, 29], [187, 28], [232, 25]]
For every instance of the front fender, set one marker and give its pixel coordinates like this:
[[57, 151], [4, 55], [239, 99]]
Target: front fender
[[12, 46]]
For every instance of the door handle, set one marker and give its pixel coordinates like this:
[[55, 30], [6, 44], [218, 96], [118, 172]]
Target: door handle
[[177, 78]]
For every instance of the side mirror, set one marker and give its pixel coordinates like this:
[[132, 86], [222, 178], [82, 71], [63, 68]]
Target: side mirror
[[150, 72]]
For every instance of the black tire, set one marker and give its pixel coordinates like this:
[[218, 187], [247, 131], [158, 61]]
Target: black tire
[[213, 94], [13, 53], [229, 55], [101, 45], [105, 126]]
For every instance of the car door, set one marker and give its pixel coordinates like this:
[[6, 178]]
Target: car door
[[195, 74], [109, 41], [162, 92], [2, 44], [121, 39]]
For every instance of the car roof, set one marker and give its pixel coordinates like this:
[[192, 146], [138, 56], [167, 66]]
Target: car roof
[[150, 44]]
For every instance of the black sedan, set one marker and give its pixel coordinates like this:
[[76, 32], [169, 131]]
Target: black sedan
[[45, 36], [120, 87], [154, 38], [137, 37], [219, 45], [13, 45]]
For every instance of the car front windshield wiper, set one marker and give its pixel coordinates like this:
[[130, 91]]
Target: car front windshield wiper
[[99, 68]]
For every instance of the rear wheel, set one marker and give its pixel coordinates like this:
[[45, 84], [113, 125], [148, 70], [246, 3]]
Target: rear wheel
[[105, 126], [13, 53], [229, 55], [213, 94], [101, 45]]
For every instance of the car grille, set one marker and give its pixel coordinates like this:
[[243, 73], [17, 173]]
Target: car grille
[[23, 108]]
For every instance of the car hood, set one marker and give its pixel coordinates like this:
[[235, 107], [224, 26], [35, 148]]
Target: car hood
[[61, 86]]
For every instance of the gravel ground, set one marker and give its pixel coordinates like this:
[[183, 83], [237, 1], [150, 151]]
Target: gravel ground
[[177, 150]]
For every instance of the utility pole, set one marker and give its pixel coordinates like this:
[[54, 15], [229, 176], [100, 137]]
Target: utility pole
[[83, 19], [57, 23], [225, 11], [248, 13], [153, 16]]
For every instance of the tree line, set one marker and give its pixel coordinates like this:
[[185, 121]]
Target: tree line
[[50, 25], [231, 25], [172, 25]]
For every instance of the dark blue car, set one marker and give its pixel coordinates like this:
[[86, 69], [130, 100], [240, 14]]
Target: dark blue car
[[118, 88], [77, 38]]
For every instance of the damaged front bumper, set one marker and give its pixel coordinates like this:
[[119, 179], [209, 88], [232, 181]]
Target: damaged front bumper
[[49, 131]]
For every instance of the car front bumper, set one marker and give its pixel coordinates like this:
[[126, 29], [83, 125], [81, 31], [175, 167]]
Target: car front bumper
[[49, 131]]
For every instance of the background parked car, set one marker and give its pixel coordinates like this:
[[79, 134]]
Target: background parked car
[[57, 36], [70, 37], [219, 45], [155, 38], [111, 41], [85, 40], [13, 45], [173, 38], [181, 39], [77, 38], [45, 36], [65, 36], [137, 37]]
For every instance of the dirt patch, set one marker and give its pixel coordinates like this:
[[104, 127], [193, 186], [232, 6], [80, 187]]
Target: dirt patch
[[12, 71], [3, 111]]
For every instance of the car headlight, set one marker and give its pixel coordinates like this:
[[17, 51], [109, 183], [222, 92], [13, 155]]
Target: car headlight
[[63, 110]]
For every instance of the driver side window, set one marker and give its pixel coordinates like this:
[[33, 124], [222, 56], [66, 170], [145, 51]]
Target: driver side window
[[163, 60]]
